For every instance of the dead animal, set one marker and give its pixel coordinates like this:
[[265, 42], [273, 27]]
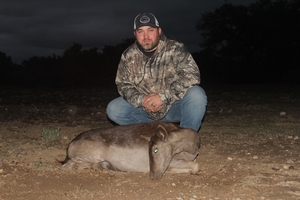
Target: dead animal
[[146, 147]]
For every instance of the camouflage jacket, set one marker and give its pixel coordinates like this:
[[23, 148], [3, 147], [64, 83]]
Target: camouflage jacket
[[169, 72]]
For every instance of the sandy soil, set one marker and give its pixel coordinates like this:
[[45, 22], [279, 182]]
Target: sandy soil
[[250, 147]]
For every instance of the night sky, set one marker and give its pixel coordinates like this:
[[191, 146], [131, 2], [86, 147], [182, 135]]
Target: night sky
[[41, 28]]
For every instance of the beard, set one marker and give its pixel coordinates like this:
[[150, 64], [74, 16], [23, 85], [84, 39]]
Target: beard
[[149, 46]]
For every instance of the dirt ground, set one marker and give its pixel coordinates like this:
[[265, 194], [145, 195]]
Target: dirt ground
[[250, 147]]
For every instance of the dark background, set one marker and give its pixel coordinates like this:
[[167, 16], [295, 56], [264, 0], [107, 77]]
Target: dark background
[[254, 43]]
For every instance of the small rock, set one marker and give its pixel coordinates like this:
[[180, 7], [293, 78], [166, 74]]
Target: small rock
[[229, 158], [255, 157], [286, 167], [290, 161], [72, 110], [276, 169], [296, 137], [173, 184], [282, 113], [290, 137], [65, 137]]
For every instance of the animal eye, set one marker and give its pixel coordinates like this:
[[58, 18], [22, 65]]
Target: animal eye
[[155, 150]]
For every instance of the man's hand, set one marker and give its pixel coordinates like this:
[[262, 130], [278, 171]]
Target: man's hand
[[152, 102]]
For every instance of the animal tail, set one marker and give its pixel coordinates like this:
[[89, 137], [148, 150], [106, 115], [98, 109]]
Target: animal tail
[[64, 161]]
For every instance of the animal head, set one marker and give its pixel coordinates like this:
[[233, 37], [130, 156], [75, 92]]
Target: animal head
[[160, 153]]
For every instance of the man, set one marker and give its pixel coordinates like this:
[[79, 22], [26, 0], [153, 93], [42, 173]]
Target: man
[[158, 80]]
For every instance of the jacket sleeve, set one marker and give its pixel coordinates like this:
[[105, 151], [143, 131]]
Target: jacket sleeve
[[188, 75], [126, 86]]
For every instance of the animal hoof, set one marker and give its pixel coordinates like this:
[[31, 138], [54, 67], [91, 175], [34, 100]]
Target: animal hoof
[[199, 172], [96, 166]]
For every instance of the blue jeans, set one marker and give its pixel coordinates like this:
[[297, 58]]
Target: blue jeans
[[189, 111]]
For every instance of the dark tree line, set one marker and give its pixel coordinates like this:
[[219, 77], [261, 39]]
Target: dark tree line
[[241, 44], [255, 43], [76, 67]]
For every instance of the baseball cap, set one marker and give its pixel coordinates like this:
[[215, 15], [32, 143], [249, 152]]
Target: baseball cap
[[145, 19]]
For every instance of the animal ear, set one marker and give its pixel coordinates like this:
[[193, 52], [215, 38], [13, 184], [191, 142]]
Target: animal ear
[[162, 133]]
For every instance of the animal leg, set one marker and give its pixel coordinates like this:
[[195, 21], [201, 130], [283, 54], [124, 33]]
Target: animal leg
[[107, 165], [81, 166], [183, 166], [69, 165]]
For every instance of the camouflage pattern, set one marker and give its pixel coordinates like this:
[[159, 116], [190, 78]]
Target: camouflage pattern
[[169, 72]]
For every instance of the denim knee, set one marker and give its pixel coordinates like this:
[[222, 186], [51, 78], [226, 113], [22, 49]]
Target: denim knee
[[109, 108], [196, 94], [112, 108]]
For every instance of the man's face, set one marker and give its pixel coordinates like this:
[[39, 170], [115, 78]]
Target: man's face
[[148, 37]]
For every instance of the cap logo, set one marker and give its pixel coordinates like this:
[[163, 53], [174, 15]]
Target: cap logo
[[144, 19]]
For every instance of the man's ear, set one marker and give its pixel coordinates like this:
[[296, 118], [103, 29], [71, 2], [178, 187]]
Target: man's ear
[[159, 30]]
